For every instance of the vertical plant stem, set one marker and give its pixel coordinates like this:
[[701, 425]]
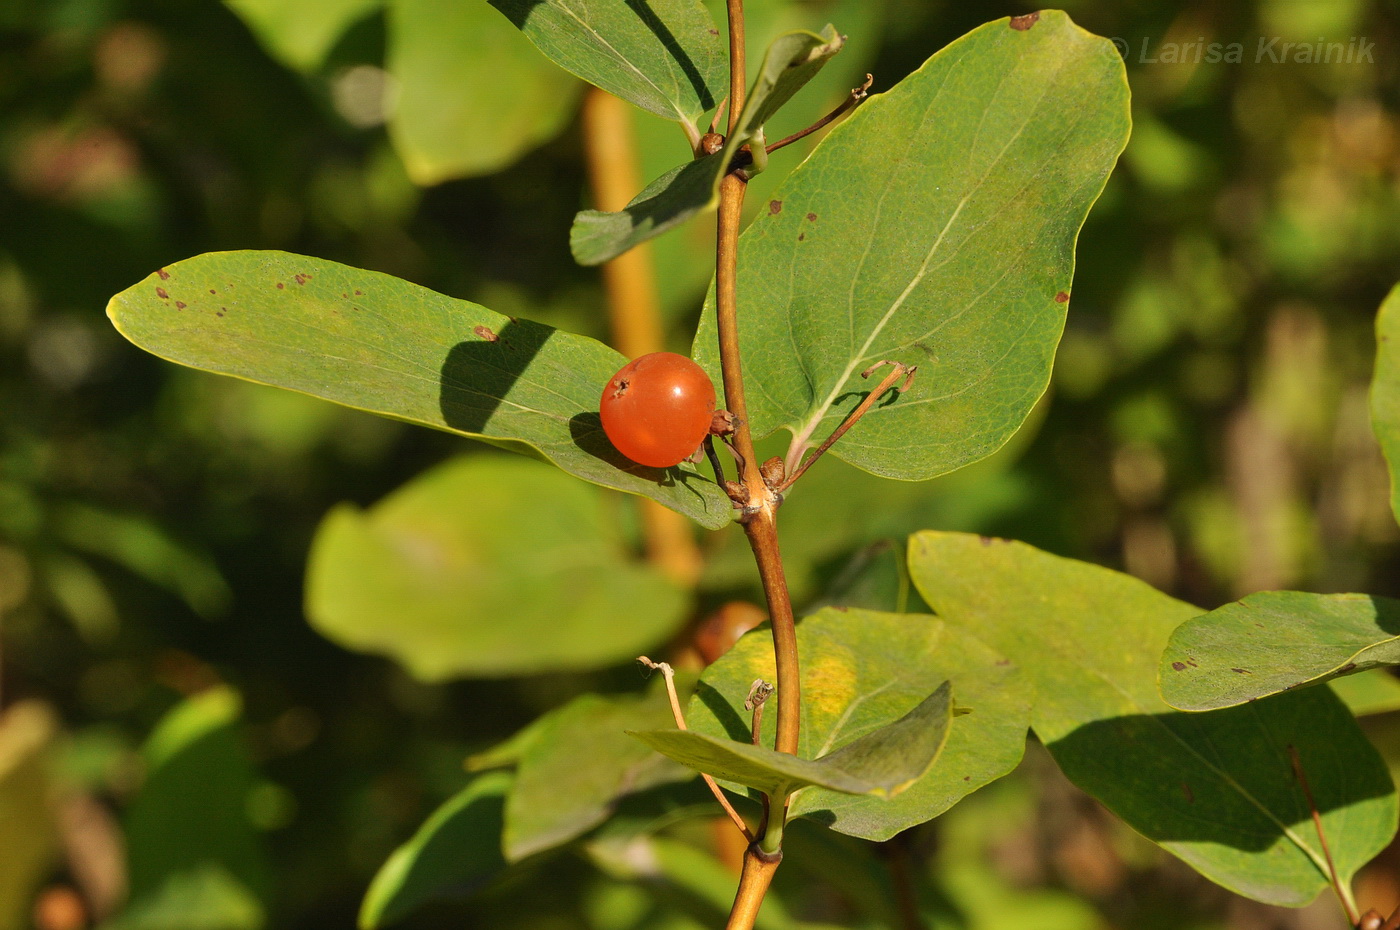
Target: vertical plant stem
[[759, 502], [634, 311], [753, 885]]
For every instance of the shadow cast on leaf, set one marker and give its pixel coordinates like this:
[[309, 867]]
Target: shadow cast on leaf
[[478, 374], [1209, 777]]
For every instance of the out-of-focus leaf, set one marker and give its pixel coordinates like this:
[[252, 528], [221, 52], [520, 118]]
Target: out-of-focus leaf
[[1216, 789], [935, 226], [1373, 692], [141, 546], [576, 769], [473, 95], [665, 56], [454, 852], [487, 565], [860, 670], [299, 33], [194, 856], [378, 343], [1385, 390], [791, 61], [1273, 641], [27, 833]]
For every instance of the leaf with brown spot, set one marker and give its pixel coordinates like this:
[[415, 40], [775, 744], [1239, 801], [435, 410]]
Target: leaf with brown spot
[[410, 354]]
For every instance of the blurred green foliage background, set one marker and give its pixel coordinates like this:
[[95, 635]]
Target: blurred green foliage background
[[1207, 431]]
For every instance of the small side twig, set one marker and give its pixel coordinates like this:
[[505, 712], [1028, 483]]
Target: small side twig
[[669, 674], [1348, 905], [758, 696], [855, 97], [900, 370]]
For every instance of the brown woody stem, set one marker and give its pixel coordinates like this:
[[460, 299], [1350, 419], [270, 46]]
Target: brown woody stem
[[757, 501], [753, 885]]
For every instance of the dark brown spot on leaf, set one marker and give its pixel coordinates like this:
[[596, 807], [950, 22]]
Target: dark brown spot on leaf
[[1241, 671], [967, 778], [775, 207], [1022, 23], [1192, 663], [359, 293], [160, 292], [212, 291], [1061, 297], [180, 305], [280, 285], [220, 313], [1178, 666], [300, 279], [164, 275], [485, 332], [801, 236], [811, 217]]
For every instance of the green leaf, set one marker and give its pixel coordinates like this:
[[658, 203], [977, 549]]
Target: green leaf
[[473, 95], [896, 755], [1373, 692], [935, 226], [455, 852], [1385, 391], [862, 669], [1273, 641], [194, 856], [665, 56], [300, 33], [28, 832], [792, 60], [776, 774], [665, 203], [1215, 789], [377, 343], [487, 565], [573, 773]]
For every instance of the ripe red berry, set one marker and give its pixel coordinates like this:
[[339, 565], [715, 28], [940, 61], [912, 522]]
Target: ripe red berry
[[657, 409]]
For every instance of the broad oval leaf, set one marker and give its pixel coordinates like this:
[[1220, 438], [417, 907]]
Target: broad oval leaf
[[1216, 789], [862, 669], [472, 95], [1273, 641], [792, 60], [936, 226], [28, 826], [456, 851], [378, 343], [486, 565], [579, 764], [665, 56], [1385, 390]]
